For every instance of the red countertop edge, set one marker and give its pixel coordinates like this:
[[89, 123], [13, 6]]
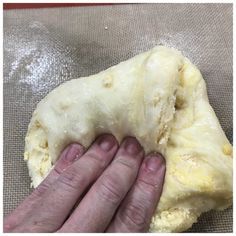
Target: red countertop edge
[[9, 6]]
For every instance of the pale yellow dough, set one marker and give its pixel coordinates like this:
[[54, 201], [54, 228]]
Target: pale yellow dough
[[160, 98]]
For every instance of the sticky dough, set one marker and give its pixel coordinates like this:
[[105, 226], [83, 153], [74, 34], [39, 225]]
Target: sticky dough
[[160, 98]]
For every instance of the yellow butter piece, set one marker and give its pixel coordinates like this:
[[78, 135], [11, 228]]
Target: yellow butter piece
[[227, 149], [26, 156]]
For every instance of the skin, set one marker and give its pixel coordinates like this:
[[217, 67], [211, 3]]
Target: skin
[[108, 188]]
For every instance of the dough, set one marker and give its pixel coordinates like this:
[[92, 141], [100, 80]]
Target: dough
[[160, 98]]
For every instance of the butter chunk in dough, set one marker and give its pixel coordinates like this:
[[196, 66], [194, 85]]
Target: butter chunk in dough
[[160, 98]]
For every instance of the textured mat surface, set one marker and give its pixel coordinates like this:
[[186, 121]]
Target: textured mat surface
[[44, 47]]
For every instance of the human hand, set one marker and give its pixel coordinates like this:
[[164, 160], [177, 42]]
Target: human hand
[[105, 189]]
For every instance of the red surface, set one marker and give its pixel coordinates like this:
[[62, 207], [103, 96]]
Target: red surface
[[8, 6]]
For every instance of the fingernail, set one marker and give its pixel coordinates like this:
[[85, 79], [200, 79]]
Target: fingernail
[[132, 146], [74, 152], [106, 142], [155, 162]]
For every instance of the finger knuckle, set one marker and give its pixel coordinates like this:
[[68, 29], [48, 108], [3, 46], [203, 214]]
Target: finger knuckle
[[40, 190], [134, 217], [95, 159], [72, 179], [149, 188], [58, 170], [125, 163], [43, 225], [110, 191]]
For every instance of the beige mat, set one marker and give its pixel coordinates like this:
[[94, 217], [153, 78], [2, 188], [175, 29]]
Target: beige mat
[[44, 47]]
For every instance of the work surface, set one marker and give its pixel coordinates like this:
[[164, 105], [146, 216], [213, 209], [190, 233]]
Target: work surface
[[45, 47]]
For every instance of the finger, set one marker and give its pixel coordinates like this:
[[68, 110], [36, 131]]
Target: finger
[[98, 206], [137, 209], [49, 214], [70, 154]]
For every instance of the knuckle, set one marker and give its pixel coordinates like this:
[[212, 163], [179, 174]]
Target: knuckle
[[109, 190], [95, 159], [58, 169], [125, 163], [72, 179], [148, 188], [41, 189], [134, 217], [43, 225]]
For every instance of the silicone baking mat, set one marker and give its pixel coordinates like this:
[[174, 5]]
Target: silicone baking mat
[[45, 47]]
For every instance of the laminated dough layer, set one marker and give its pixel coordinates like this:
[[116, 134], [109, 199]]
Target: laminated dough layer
[[160, 98]]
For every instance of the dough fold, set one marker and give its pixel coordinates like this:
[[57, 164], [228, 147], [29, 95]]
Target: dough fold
[[160, 98]]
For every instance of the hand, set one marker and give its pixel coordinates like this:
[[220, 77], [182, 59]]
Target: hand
[[105, 189]]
